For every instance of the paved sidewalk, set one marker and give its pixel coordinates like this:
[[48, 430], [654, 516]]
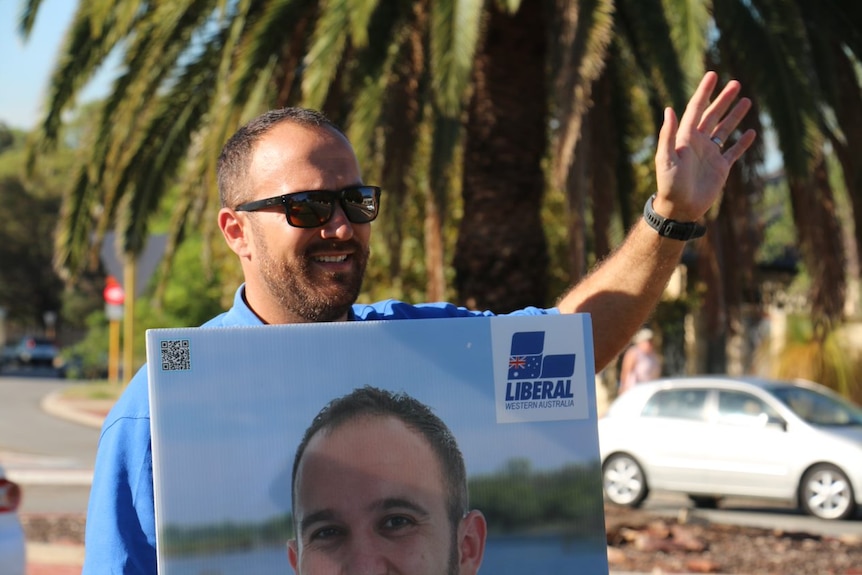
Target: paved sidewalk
[[54, 559], [57, 558]]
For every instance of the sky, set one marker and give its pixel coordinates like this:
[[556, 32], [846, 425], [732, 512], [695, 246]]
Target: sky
[[25, 67]]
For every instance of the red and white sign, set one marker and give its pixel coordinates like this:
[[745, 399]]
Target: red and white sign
[[114, 293]]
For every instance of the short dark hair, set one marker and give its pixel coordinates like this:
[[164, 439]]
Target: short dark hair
[[371, 401], [235, 158]]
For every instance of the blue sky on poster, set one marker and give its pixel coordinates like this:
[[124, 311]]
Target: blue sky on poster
[[26, 66], [236, 416]]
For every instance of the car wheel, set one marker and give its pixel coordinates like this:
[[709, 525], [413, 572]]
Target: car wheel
[[704, 501], [623, 481], [826, 492]]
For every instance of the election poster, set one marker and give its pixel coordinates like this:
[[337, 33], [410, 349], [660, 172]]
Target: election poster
[[303, 448]]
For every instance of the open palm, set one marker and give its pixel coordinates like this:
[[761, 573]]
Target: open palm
[[691, 162]]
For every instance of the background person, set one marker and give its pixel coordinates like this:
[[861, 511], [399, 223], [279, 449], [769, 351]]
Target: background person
[[379, 486], [298, 216], [640, 361]]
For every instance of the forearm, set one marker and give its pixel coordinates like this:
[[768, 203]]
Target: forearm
[[692, 164], [622, 291]]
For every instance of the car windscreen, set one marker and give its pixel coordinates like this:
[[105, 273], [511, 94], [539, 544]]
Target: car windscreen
[[818, 408]]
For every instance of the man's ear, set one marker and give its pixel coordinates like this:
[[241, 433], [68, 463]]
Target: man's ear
[[233, 228], [293, 555], [472, 531]]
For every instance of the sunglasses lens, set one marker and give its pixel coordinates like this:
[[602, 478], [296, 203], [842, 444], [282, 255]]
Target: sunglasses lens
[[313, 209], [361, 204], [309, 210]]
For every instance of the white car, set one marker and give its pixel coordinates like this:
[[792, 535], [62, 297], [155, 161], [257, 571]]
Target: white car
[[12, 542], [713, 436]]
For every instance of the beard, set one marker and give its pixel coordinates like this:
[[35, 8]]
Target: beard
[[308, 292]]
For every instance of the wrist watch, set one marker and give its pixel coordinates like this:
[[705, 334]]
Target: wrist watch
[[673, 229]]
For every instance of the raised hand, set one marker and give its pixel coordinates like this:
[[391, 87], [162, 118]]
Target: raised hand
[[692, 161]]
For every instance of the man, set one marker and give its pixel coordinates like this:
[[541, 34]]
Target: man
[[303, 254], [379, 486], [640, 361]]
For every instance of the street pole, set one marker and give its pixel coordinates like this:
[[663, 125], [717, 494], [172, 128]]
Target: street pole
[[114, 352], [128, 316], [114, 299]]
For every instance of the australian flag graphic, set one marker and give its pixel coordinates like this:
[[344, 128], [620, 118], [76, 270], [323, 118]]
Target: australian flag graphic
[[526, 359]]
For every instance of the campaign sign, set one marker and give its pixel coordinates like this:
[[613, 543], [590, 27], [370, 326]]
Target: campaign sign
[[230, 408]]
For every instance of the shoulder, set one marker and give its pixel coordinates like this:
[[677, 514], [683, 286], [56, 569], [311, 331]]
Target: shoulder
[[134, 403], [394, 309]]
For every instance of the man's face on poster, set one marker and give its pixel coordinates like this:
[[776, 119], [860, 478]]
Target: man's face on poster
[[371, 498]]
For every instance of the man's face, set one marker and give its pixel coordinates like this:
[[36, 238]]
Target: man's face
[[295, 274], [371, 499]]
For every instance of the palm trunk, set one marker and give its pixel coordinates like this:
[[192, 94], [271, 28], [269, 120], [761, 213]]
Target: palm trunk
[[604, 130], [821, 244], [501, 254], [849, 113]]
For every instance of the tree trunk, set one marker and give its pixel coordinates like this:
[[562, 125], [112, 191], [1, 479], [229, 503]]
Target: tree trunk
[[501, 254], [602, 125], [822, 246], [849, 113], [578, 182]]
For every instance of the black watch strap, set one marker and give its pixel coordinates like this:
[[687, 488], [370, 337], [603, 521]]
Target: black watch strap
[[673, 229]]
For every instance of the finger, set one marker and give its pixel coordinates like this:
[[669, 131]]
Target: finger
[[699, 101], [729, 123], [733, 153], [666, 148], [713, 114]]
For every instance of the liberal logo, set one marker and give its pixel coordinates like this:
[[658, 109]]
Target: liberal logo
[[536, 380]]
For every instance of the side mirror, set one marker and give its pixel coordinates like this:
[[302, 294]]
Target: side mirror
[[777, 422]]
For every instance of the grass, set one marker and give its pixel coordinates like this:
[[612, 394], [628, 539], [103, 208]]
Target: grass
[[94, 390]]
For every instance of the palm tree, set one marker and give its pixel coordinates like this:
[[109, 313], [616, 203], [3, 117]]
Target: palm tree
[[803, 46], [194, 70], [557, 88]]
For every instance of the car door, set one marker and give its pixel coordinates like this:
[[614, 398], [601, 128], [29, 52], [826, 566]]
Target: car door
[[749, 447], [669, 432]]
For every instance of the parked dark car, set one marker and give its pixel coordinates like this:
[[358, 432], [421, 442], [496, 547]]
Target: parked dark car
[[36, 352]]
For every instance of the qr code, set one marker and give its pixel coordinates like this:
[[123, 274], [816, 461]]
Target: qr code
[[176, 355]]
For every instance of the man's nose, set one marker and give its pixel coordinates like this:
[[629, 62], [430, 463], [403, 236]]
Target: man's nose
[[338, 227], [364, 557]]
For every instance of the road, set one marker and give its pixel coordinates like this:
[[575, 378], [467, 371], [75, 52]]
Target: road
[[50, 457], [754, 513], [53, 460]]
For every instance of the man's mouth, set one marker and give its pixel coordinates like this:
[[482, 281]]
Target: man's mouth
[[331, 259]]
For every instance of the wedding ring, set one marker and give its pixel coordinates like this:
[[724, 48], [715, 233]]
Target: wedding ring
[[717, 141]]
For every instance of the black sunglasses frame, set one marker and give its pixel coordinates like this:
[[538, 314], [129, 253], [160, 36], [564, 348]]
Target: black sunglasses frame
[[307, 204]]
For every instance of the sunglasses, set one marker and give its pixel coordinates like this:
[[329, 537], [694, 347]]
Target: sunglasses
[[314, 208]]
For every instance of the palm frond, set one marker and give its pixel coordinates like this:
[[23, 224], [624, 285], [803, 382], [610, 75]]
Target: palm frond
[[73, 242], [456, 27], [689, 25], [586, 30], [644, 26], [28, 17], [97, 28], [277, 33], [787, 92], [326, 51], [163, 148]]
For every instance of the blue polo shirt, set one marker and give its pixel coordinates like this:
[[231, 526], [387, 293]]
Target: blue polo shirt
[[121, 525]]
